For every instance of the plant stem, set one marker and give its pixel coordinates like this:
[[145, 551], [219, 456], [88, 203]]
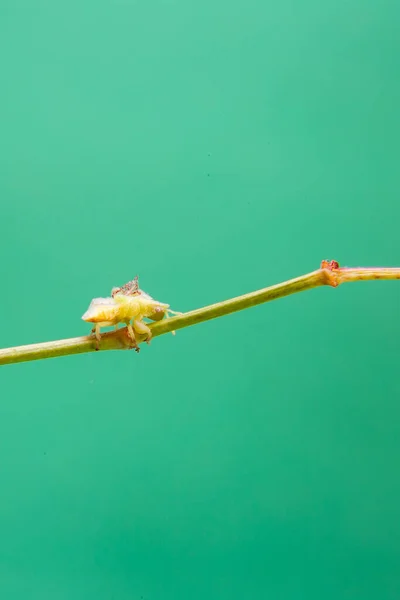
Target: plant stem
[[329, 274]]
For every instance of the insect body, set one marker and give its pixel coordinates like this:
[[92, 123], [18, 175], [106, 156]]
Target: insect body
[[128, 303]]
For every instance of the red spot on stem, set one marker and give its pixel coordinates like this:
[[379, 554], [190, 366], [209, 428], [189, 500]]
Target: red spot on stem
[[331, 265]]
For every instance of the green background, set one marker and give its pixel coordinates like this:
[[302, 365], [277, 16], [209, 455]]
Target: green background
[[213, 148]]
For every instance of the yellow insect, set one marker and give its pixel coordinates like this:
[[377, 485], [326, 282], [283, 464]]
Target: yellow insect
[[127, 303]]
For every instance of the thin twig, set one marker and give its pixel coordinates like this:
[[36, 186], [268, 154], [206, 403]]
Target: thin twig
[[329, 274]]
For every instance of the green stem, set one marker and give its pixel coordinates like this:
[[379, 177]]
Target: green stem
[[328, 274]]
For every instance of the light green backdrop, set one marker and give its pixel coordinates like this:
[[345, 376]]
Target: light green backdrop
[[213, 148]]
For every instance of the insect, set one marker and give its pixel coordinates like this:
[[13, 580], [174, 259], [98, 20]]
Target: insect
[[127, 303]]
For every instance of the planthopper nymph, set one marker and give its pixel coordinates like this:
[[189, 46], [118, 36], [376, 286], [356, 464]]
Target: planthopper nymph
[[129, 305]]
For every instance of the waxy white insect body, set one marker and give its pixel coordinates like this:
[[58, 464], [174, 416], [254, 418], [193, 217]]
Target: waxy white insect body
[[127, 303]]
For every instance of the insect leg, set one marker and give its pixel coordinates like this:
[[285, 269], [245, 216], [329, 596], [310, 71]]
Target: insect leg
[[132, 336], [142, 329], [96, 331]]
